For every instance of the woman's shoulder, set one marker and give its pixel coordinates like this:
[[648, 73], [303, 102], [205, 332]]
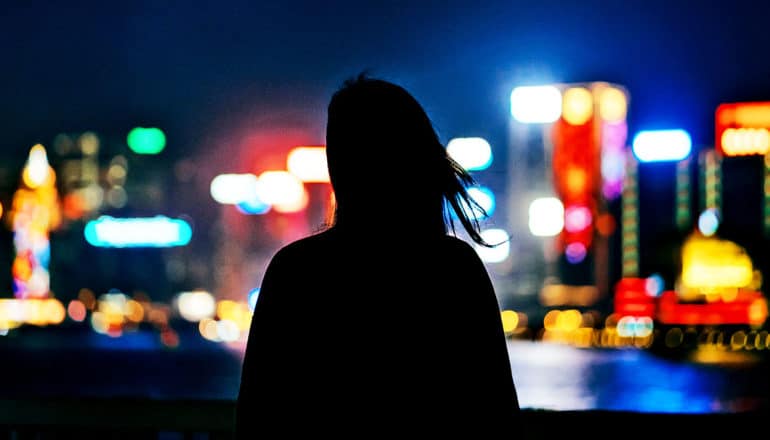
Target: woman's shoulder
[[304, 246]]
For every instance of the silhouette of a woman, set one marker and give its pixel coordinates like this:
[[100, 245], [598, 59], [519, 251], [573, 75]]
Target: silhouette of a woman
[[383, 322]]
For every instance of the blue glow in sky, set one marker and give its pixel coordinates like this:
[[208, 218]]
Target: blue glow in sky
[[185, 67]]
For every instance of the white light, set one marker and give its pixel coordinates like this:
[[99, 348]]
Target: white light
[[283, 190], [536, 104], [308, 164], [546, 217], [708, 222], [472, 153], [496, 254], [37, 165], [662, 145], [158, 231], [196, 306], [233, 188]]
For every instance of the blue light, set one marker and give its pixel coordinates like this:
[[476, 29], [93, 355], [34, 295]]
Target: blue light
[[253, 296], [484, 197], [158, 231], [662, 145], [253, 206]]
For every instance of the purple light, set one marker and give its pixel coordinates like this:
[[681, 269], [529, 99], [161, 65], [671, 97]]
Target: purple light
[[575, 252]]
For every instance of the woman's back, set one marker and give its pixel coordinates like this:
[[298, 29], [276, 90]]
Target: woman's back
[[352, 328]]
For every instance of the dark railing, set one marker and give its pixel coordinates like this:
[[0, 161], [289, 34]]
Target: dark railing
[[44, 419]]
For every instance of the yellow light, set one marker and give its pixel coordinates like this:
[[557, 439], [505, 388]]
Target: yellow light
[[510, 320], [53, 311], [613, 104], [711, 264], [577, 180], [550, 320], [745, 141], [134, 311], [569, 320], [308, 164], [578, 106]]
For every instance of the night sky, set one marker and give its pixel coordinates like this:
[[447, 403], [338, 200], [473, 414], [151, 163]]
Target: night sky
[[199, 67]]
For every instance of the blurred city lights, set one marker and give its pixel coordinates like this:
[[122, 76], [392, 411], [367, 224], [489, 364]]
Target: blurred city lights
[[745, 141], [253, 206], [158, 231], [575, 252], [308, 164], [654, 285], [37, 170], [546, 217], [283, 191], [472, 153], [35, 211], [710, 264], [661, 145], [708, 222], [143, 140], [510, 320], [234, 188], [613, 104], [578, 106], [577, 218], [536, 104], [195, 306], [500, 251]]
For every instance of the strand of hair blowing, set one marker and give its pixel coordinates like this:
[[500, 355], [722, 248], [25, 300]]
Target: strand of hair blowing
[[456, 180]]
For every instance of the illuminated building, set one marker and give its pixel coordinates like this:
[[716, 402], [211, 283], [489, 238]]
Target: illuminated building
[[34, 213], [568, 143]]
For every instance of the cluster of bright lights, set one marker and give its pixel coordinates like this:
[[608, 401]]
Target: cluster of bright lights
[[546, 104], [662, 145], [472, 153], [39, 312], [158, 231], [745, 141], [279, 190], [34, 213], [629, 326]]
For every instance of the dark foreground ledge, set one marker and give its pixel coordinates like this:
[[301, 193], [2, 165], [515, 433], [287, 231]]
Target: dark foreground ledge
[[162, 419]]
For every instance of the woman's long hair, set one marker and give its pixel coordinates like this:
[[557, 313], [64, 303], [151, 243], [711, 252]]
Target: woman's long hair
[[384, 155]]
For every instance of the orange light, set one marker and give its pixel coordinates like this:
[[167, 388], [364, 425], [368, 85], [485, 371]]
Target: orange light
[[742, 128], [577, 180], [745, 141]]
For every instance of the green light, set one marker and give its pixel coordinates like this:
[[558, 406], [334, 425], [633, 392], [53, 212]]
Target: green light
[[146, 140]]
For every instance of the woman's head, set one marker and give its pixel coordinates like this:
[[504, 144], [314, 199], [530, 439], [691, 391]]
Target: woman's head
[[386, 162]]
